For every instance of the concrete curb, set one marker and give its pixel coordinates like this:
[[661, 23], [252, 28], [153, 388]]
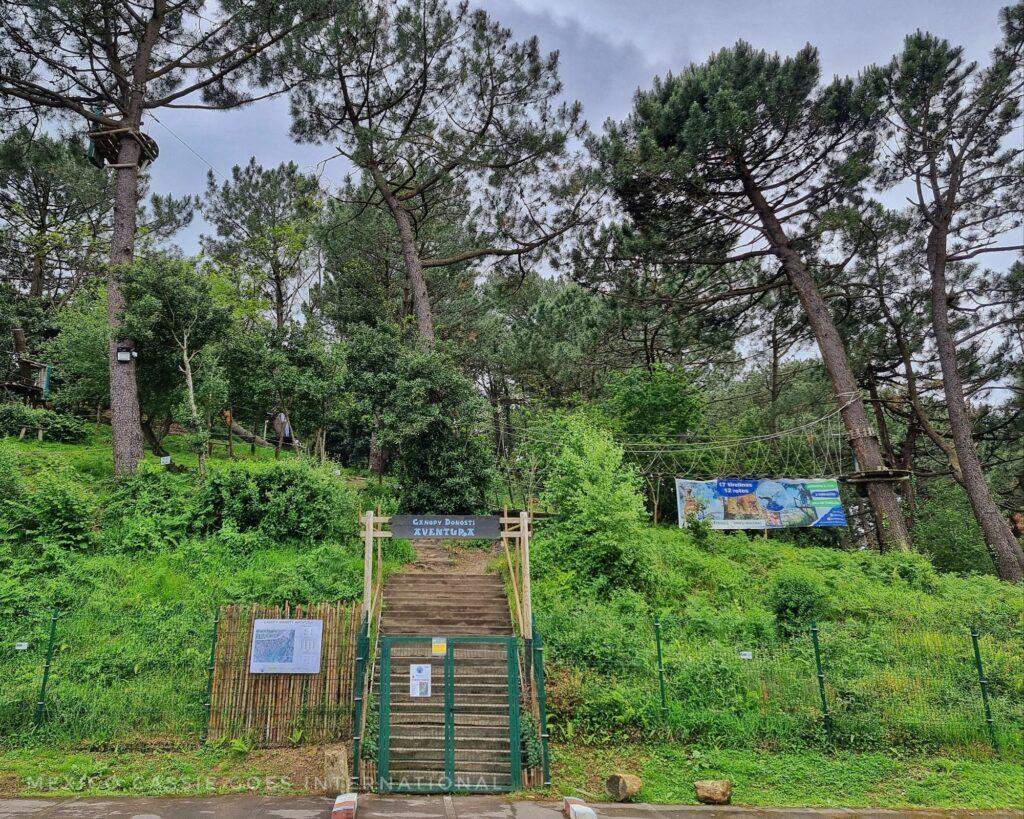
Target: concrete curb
[[574, 808], [345, 806]]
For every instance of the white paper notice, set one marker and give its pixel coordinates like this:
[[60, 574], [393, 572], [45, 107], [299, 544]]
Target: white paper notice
[[419, 680]]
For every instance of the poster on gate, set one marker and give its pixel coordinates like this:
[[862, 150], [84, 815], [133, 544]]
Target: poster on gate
[[419, 680], [773, 503]]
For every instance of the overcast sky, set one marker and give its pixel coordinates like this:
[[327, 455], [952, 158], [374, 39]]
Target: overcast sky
[[608, 49]]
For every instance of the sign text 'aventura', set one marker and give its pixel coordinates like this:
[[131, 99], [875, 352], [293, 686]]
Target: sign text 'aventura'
[[445, 526]]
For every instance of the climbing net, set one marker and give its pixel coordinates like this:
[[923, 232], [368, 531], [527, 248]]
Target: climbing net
[[817, 449]]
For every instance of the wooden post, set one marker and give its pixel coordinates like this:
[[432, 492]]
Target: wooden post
[[368, 522], [524, 542], [229, 421]]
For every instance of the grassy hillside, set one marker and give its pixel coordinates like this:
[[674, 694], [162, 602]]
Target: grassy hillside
[[137, 573], [138, 570], [737, 613]]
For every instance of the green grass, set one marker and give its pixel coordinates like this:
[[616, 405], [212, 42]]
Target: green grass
[[138, 598], [139, 590], [806, 778]]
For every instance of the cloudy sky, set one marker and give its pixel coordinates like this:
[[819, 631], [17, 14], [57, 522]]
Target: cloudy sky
[[608, 49]]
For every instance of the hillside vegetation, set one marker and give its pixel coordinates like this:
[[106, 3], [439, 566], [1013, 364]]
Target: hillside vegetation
[[137, 569]]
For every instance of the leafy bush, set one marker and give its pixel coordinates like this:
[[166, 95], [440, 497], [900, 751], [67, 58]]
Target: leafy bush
[[11, 485], [418, 405], [797, 597], [614, 638], [147, 512], [56, 426], [48, 521], [597, 528], [945, 530], [289, 502]]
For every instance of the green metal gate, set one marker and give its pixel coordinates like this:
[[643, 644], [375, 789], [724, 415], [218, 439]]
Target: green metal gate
[[449, 715]]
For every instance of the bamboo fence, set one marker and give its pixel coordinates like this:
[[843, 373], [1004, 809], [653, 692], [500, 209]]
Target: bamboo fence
[[281, 709]]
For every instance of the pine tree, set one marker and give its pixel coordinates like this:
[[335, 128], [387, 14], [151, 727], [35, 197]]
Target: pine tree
[[949, 129], [740, 158], [112, 62]]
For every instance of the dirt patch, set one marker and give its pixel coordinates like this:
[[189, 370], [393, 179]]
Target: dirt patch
[[10, 785], [294, 770]]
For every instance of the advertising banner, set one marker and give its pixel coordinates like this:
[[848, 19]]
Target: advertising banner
[[771, 503]]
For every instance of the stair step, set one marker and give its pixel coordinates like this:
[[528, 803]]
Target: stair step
[[412, 708], [432, 602], [427, 778], [442, 620], [475, 756], [497, 741]]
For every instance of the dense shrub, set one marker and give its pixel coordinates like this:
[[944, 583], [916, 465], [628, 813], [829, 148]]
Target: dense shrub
[[147, 511], [48, 521], [797, 597], [597, 529], [448, 471], [946, 531], [56, 426], [613, 638], [288, 502]]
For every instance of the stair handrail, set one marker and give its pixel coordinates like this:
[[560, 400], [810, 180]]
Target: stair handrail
[[373, 605]]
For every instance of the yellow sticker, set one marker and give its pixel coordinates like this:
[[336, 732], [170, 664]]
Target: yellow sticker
[[438, 645]]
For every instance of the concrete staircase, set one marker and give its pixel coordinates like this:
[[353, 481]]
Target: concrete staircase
[[435, 604]]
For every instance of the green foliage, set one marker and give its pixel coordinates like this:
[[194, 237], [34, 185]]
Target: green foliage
[[797, 597], [652, 402], [288, 502], [147, 512], [55, 426], [598, 525], [79, 351], [946, 530], [895, 643], [418, 404]]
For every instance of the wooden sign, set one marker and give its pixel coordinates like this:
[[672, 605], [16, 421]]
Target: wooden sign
[[462, 527]]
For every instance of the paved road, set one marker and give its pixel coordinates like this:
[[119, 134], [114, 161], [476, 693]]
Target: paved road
[[435, 807]]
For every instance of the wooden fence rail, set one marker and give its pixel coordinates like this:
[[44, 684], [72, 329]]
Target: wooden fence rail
[[278, 709]]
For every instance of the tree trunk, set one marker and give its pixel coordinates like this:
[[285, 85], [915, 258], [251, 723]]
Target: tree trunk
[[124, 397], [378, 455], [190, 391], [278, 300], [155, 443], [885, 506], [411, 257], [1006, 549]]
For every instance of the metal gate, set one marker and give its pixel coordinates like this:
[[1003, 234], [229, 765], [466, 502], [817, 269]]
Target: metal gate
[[449, 715]]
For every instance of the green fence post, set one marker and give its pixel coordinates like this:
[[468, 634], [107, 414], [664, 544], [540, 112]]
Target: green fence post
[[41, 703], [449, 713], [362, 648], [209, 678], [983, 680], [515, 741], [821, 682], [384, 726], [661, 672], [542, 703]]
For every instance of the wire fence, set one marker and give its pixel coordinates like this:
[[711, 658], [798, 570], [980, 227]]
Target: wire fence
[[840, 686], [143, 677]]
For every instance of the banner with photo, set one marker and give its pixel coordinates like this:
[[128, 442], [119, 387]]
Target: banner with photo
[[771, 503]]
